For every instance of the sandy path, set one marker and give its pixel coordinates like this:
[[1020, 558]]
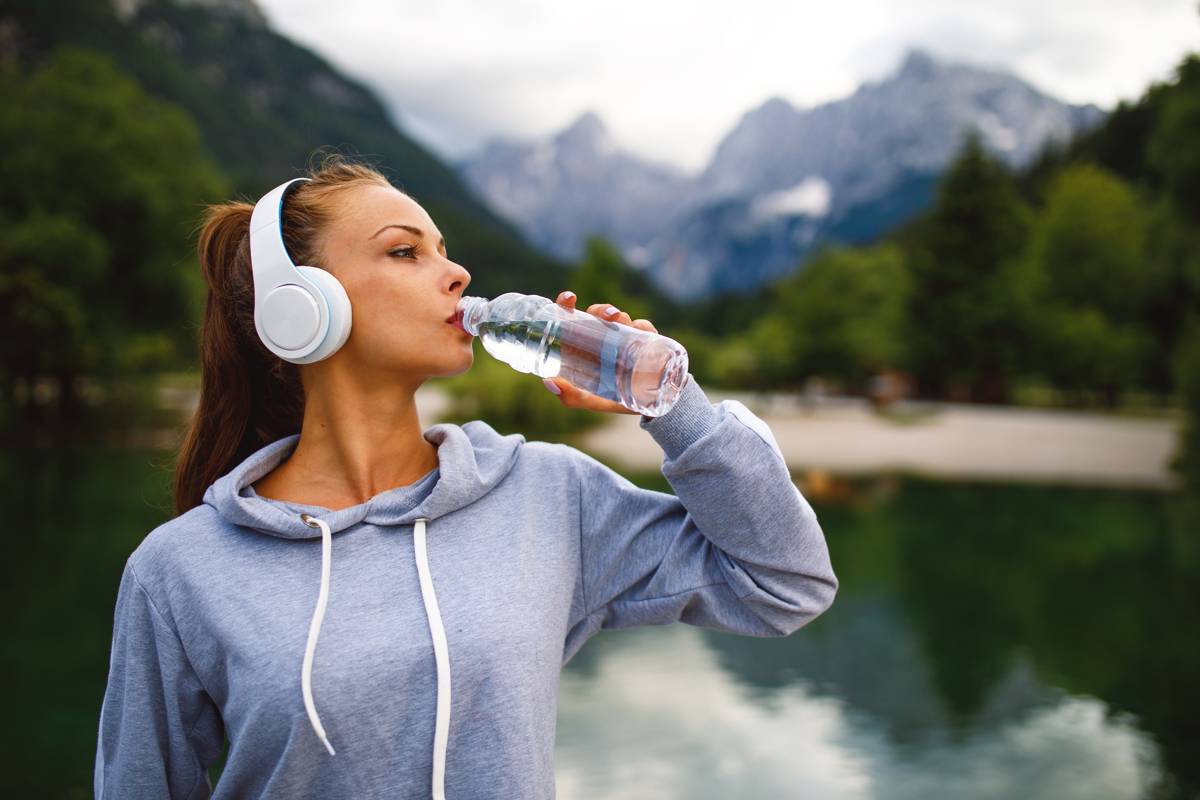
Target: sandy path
[[942, 440]]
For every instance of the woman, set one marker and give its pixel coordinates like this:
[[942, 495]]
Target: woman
[[439, 657]]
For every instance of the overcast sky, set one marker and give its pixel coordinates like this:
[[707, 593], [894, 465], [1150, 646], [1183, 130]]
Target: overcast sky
[[671, 77]]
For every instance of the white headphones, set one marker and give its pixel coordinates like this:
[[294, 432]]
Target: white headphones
[[302, 314]]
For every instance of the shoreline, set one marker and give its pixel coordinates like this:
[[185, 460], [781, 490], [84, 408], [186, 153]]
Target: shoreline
[[833, 438], [943, 441]]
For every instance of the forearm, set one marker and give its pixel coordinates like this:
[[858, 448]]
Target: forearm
[[727, 471]]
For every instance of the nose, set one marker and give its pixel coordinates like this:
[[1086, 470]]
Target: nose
[[460, 278]]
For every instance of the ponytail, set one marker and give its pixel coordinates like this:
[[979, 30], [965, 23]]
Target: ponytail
[[249, 397]]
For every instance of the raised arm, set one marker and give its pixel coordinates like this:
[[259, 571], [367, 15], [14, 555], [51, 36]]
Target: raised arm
[[737, 548]]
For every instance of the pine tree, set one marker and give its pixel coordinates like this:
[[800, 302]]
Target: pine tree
[[970, 305]]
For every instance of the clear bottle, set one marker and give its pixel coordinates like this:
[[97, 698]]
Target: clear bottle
[[642, 371]]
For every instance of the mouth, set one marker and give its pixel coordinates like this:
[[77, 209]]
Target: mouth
[[455, 320]]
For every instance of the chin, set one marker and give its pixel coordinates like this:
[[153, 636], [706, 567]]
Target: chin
[[467, 363], [458, 365]]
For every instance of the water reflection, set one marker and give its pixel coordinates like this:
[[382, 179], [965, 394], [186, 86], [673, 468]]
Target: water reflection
[[71, 517], [659, 715]]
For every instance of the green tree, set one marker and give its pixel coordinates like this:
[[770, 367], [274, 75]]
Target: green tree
[[1174, 242], [849, 313], [1088, 248], [971, 301], [1172, 149], [603, 277], [1083, 350], [50, 267], [1186, 461], [841, 316], [1089, 240], [103, 185], [844, 316]]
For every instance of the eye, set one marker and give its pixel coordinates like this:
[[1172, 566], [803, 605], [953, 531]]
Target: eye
[[407, 251]]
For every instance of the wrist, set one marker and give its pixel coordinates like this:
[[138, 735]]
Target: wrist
[[692, 417]]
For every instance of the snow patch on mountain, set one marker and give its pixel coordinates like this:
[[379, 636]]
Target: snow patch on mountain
[[811, 196]]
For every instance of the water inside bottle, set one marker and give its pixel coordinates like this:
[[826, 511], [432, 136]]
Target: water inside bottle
[[595, 355], [533, 347]]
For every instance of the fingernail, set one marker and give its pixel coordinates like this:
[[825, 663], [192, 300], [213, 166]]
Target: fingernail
[[610, 311], [549, 384], [567, 295]]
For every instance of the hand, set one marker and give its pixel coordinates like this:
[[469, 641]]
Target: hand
[[571, 395]]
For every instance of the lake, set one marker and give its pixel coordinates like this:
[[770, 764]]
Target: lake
[[988, 641]]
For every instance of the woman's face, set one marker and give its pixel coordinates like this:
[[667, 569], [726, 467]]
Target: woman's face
[[392, 260]]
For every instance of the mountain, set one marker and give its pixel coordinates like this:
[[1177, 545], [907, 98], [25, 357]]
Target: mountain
[[911, 122], [782, 181], [263, 104], [578, 182]]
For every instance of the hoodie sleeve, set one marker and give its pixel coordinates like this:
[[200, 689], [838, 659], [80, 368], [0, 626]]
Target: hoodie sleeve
[[159, 730], [736, 548]]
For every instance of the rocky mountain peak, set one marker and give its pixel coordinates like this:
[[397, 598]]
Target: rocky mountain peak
[[918, 65], [586, 133]]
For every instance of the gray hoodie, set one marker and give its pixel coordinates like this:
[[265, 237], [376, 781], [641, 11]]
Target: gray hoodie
[[410, 646]]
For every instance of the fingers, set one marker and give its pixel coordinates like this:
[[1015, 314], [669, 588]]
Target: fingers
[[572, 396], [645, 325], [614, 314], [605, 311], [568, 393]]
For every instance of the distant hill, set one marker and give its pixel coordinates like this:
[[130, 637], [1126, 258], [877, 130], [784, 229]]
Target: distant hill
[[782, 181], [264, 103]]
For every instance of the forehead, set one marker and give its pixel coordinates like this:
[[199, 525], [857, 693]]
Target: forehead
[[368, 208]]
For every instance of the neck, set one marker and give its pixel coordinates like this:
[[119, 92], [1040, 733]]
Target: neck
[[357, 439]]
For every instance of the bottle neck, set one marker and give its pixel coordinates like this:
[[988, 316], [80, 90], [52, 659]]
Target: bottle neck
[[473, 312]]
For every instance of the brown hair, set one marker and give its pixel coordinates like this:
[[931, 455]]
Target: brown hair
[[249, 397]]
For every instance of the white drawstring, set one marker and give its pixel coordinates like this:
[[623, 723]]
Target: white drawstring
[[441, 655], [315, 628], [440, 648]]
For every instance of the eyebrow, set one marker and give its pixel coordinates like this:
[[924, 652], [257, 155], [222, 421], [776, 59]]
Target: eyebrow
[[416, 231]]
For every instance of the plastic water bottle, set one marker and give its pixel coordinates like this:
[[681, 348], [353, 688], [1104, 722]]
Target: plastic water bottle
[[642, 371]]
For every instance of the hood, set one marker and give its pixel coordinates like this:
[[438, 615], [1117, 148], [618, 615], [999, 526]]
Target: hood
[[472, 458]]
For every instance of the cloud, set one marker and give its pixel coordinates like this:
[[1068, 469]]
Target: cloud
[[671, 77]]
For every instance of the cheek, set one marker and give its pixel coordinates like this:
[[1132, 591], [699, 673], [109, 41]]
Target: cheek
[[384, 311]]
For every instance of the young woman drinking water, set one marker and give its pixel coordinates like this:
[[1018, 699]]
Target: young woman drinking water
[[367, 607]]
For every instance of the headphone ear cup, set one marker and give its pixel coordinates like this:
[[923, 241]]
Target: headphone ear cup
[[338, 303]]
